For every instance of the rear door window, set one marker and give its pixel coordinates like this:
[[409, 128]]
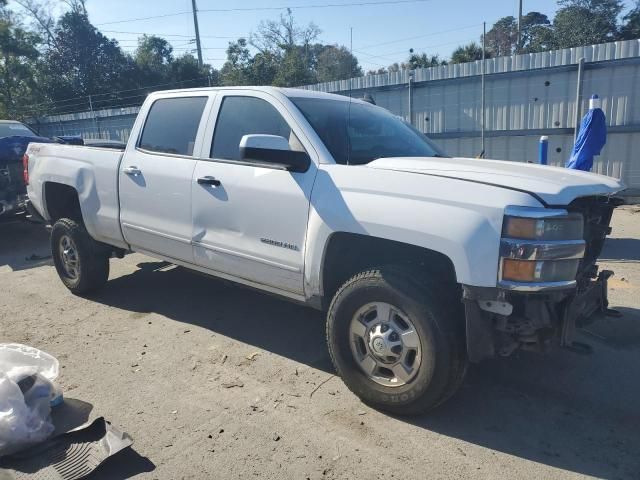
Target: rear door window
[[172, 125], [240, 116]]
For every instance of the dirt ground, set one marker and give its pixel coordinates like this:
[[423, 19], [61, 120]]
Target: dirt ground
[[216, 381]]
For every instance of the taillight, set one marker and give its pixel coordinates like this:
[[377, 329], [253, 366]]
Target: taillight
[[25, 169]]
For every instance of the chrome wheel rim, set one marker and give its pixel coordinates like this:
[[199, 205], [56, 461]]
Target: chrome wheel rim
[[69, 257], [385, 344]]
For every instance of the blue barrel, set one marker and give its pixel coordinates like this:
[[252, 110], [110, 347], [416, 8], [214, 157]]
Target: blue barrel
[[543, 150]]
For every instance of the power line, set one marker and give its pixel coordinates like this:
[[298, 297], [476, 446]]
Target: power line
[[96, 95], [258, 9], [386, 56], [420, 36], [172, 34]]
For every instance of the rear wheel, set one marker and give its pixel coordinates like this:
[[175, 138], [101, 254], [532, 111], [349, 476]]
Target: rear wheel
[[397, 339], [81, 262]]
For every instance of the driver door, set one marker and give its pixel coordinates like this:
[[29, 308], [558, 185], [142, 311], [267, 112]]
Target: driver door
[[250, 220]]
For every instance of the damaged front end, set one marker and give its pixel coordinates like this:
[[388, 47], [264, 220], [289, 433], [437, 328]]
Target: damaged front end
[[548, 280]]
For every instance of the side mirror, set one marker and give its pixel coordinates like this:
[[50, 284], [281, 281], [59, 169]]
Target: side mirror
[[274, 150]]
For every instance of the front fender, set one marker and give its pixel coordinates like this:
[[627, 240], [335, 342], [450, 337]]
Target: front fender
[[459, 219]]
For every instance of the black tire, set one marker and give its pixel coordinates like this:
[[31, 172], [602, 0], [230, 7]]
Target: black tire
[[437, 317], [92, 270]]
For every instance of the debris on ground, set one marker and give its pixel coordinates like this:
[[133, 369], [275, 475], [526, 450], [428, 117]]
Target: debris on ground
[[27, 393], [235, 383], [72, 455]]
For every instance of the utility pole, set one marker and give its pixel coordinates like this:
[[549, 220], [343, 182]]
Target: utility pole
[[195, 24], [483, 90], [519, 38]]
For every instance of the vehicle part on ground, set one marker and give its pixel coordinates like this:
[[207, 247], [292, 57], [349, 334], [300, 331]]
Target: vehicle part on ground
[[397, 339], [70, 456], [81, 262]]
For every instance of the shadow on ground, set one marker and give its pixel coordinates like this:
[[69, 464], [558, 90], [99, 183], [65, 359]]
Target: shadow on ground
[[578, 413], [621, 249], [24, 245]]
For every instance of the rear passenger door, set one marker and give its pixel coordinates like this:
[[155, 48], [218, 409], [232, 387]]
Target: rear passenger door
[[155, 177], [253, 224]]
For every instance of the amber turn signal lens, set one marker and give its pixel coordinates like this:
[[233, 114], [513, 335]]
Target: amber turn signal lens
[[518, 270], [516, 227]]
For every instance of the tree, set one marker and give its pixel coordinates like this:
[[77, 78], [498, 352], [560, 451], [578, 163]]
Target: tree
[[278, 36], [422, 60], [630, 29], [294, 68], [335, 63], [84, 62], [501, 39], [586, 22], [237, 69], [18, 54], [468, 53], [39, 11], [153, 57], [536, 33], [186, 72]]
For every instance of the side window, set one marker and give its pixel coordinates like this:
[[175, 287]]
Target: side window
[[172, 125], [240, 116]]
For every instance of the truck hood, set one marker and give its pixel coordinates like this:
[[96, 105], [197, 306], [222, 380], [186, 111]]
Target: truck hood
[[553, 185]]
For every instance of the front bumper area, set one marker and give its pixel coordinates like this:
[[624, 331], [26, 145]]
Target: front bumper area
[[499, 321]]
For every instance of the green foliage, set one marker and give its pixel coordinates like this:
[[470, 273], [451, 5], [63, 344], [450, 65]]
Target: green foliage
[[586, 22], [335, 62], [467, 53], [423, 60], [55, 64], [286, 56], [18, 54], [630, 30], [536, 33], [84, 61], [501, 39]]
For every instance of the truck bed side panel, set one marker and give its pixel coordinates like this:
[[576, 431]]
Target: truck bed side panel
[[92, 172]]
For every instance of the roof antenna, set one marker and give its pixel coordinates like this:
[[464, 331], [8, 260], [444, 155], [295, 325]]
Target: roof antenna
[[350, 89]]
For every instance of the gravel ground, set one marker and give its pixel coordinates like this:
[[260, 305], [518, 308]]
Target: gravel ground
[[217, 381]]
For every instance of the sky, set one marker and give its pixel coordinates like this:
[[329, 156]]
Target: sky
[[382, 34]]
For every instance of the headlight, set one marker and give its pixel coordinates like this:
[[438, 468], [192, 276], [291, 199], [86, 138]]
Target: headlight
[[540, 248], [567, 227]]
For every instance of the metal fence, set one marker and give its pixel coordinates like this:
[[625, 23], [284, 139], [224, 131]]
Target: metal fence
[[526, 96]]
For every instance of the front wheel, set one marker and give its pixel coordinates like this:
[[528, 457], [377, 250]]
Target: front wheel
[[81, 262], [397, 340]]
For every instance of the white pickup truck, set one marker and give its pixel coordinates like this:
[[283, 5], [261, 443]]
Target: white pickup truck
[[423, 262]]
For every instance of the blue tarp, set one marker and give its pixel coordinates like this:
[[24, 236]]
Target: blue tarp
[[591, 138], [12, 148]]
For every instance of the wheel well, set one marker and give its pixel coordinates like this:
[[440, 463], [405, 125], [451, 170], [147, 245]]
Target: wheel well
[[350, 253], [62, 202]]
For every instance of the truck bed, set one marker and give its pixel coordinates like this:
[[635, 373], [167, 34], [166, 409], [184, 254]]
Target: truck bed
[[92, 171]]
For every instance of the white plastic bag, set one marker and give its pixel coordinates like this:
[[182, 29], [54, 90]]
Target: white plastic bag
[[26, 394], [16, 358]]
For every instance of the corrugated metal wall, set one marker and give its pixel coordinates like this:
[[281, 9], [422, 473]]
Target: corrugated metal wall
[[526, 96]]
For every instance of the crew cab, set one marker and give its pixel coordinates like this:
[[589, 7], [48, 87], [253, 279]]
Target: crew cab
[[422, 262]]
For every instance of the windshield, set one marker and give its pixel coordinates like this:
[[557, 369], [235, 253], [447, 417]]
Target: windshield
[[363, 134], [15, 129]]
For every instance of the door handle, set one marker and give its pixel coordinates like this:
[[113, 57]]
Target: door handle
[[208, 180], [134, 171]]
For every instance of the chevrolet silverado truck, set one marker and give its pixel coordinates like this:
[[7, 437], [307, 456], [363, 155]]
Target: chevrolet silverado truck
[[422, 262]]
